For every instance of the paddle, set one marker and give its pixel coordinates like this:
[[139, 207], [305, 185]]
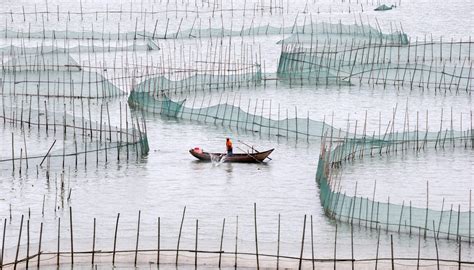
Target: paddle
[[251, 147], [249, 155]]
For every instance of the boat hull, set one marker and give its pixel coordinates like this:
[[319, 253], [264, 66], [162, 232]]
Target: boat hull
[[238, 157]]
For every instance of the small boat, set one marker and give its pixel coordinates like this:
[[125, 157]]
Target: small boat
[[256, 157], [384, 7]]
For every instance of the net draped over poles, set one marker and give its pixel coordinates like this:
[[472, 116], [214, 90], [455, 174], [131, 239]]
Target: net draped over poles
[[229, 115], [76, 136], [448, 222], [53, 75], [322, 28], [428, 65]]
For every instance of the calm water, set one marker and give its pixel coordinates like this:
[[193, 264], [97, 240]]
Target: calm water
[[169, 178]]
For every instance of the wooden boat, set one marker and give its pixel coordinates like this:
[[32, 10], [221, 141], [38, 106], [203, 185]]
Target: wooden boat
[[256, 157]]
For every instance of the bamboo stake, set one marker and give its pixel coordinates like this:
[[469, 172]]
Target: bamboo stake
[[39, 245], [3, 243], [196, 245], [222, 241], [256, 236], [436, 245], [335, 248], [391, 251], [72, 238], [59, 242], [302, 243], [236, 240], [138, 237], [278, 244], [115, 238], [158, 244], [179, 236], [18, 245], [93, 243]]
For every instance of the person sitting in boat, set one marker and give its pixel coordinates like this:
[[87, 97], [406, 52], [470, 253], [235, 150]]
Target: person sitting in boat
[[228, 144]]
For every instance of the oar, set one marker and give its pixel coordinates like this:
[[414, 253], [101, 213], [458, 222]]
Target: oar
[[252, 148], [250, 155]]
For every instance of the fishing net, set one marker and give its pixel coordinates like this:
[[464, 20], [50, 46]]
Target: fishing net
[[53, 75], [234, 116], [65, 138], [90, 47], [191, 81], [451, 223], [278, 122], [198, 31], [428, 65]]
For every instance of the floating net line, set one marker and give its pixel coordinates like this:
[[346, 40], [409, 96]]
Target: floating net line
[[446, 66], [70, 249], [227, 75], [451, 223], [72, 136], [53, 75], [217, 258], [323, 28], [234, 116], [149, 45], [71, 84], [170, 8], [278, 122], [40, 61], [370, 34]]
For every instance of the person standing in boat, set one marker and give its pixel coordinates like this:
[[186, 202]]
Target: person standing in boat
[[228, 144]]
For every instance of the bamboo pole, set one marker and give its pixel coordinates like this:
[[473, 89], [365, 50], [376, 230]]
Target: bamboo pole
[[436, 245], [256, 235], [27, 242], [19, 240], [196, 245], [278, 245], [335, 248], [222, 241], [115, 238], [39, 246], [93, 243], [236, 240], [138, 237], [179, 236], [302, 244], [59, 242], [158, 244], [391, 252], [72, 238]]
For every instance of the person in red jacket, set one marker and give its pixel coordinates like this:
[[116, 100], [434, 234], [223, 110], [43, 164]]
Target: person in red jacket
[[228, 144]]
